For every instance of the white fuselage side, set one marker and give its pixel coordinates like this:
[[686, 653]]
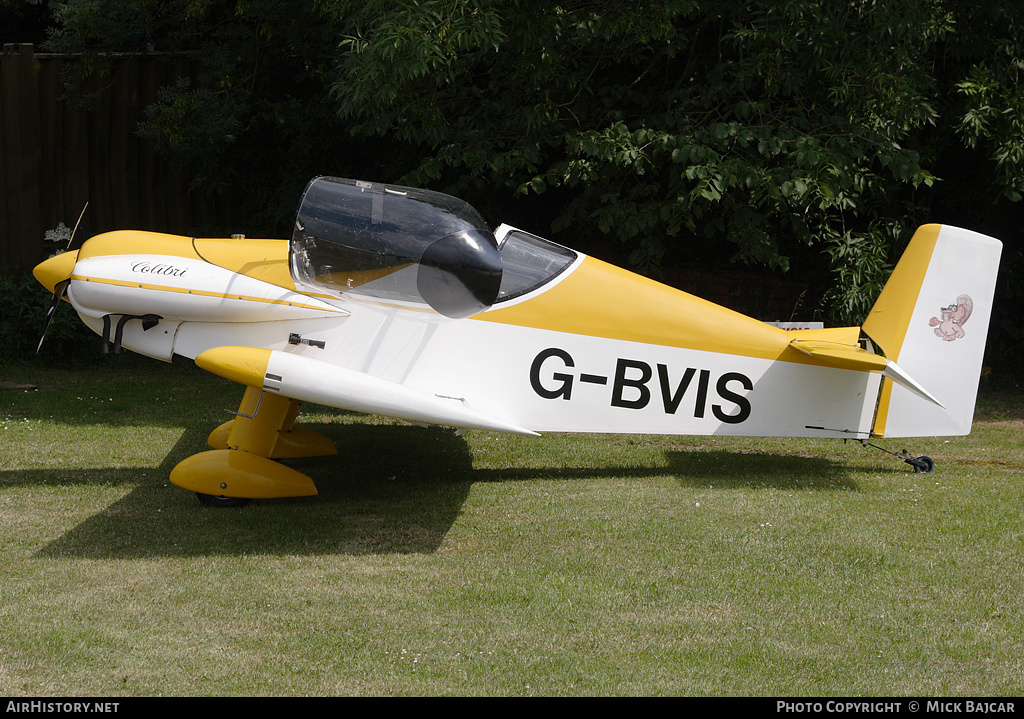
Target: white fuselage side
[[538, 379]]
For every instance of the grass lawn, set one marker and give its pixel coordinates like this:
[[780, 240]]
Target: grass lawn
[[485, 564]]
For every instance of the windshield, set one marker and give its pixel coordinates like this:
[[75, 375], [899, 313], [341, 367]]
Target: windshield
[[397, 244], [529, 262]]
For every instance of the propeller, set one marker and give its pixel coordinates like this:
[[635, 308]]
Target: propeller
[[79, 234], [59, 291], [61, 266]]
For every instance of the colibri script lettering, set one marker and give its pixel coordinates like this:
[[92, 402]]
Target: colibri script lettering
[[158, 268], [635, 384]]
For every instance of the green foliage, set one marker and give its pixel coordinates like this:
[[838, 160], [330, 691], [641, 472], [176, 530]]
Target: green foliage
[[23, 307], [990, 94], [194, 126], [678, 127], [1006, 334], [860, 268], [995, 118], [255, 115], [804, 134]]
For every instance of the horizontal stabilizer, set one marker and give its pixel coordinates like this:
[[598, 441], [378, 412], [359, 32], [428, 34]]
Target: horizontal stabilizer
[[836, 354], [844, 356], [897, 375]]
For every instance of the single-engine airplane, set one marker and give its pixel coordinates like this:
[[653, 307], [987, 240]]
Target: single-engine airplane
[[403, 302]]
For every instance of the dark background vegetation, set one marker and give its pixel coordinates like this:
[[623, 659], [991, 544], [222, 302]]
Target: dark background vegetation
[[799, 141]]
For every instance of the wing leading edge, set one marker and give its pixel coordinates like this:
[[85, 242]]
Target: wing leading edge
[[310, 380]]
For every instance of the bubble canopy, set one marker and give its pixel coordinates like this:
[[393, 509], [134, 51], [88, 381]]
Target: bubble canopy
[[395, 244]]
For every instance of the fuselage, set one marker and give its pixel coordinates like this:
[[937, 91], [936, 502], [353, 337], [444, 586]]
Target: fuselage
[[402, 302], [593, 348]]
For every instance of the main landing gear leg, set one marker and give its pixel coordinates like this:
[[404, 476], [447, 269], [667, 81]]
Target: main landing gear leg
[[241, 465]]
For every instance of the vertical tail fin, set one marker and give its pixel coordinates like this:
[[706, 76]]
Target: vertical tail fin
[[931, 320]]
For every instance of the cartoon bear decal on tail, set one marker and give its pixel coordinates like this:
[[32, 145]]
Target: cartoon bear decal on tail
[[954, 317]]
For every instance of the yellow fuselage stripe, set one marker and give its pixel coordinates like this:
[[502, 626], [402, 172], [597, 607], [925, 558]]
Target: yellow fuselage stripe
[[602, 300], [889, 319], [201, 293]]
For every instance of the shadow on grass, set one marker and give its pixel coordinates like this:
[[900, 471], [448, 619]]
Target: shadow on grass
[[726, 470], [722, 468], [399, 501], [370, 502]]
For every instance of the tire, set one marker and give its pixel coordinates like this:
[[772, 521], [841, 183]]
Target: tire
[[923, 465], [210, 500]]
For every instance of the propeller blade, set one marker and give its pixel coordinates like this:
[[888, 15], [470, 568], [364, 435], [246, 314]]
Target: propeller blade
[[58, 294], [54, 267], [80, 234]]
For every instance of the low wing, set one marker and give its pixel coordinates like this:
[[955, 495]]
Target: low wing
[[309, 380]]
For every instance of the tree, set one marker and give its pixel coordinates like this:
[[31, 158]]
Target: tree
[[813, 134], [678, 125], [255, 119]]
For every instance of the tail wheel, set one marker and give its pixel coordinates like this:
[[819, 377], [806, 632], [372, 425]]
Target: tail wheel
[[922, 465]]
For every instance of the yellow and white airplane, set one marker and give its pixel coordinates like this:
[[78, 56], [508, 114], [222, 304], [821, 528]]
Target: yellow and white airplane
[[402, 302]]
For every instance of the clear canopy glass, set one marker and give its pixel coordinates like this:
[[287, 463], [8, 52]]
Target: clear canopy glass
[[411, 246]]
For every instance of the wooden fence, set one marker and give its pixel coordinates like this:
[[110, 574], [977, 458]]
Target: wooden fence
[[56, 154]]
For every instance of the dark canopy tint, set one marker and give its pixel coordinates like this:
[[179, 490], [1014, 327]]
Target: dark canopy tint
[[395, 243]]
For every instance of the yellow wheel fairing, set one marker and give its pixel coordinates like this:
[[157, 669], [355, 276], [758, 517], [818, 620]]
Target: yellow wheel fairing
[[265, 425], [218, 438], [241, 464], [299, 442], [260, 419], [295, 443], [234, 473]]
